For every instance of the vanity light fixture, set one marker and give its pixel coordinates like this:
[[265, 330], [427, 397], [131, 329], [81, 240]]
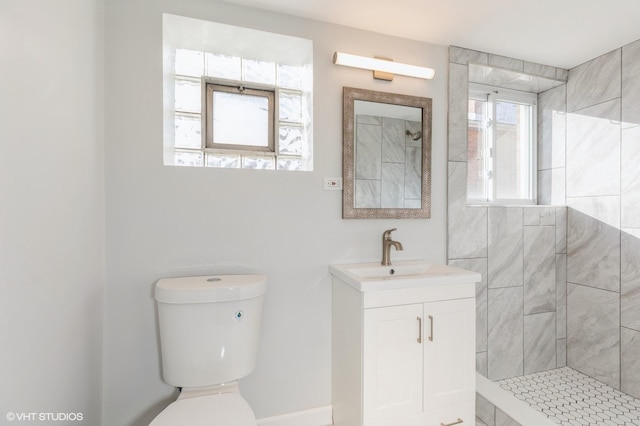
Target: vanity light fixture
[[383, 69]]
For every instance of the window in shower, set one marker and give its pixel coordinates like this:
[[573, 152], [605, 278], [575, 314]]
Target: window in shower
[[501, 146]]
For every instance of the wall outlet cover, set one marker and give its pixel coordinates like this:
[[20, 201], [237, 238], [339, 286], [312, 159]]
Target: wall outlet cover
[[333, 183]]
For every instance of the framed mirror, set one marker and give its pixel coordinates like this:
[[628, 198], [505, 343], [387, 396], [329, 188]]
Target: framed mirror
[[386, 167]]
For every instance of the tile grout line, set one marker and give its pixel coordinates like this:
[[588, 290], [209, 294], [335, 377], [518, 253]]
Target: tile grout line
[[619, 330]]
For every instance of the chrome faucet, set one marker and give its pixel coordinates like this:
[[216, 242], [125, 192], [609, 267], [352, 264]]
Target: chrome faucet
[[387, 242]]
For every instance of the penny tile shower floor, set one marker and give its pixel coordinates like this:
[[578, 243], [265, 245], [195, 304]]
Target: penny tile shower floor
[[570, 398]]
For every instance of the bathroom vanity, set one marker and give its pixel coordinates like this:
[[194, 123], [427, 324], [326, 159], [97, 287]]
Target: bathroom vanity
[[403, 345]]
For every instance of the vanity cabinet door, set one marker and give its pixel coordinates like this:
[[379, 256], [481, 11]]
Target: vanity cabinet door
[[449, 353], [392, 363]]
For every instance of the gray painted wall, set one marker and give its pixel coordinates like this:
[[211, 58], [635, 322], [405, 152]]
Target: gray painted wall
[[173, 221], [52, 209]]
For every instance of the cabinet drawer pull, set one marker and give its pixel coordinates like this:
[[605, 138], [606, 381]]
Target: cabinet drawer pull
[[431, 340], [419, 330], [454, 423]]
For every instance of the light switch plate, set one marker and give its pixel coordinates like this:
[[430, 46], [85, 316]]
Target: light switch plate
[[333, 183]]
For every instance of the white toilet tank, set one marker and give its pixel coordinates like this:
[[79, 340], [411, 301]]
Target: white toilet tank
[[209, 327]]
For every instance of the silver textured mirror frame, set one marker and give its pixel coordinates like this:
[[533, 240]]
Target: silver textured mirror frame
[[349, 211]]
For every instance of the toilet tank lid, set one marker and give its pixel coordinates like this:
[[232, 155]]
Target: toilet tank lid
[[210, 288]]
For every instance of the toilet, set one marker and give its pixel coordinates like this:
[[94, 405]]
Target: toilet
[[209, 328]]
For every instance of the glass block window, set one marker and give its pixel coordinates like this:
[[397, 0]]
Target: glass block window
[[234, 112]]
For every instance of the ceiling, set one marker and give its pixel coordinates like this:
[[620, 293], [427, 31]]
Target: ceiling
[[561, 33]]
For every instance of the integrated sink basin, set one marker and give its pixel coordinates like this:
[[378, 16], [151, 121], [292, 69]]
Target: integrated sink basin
[[377, 271], [401, 274]]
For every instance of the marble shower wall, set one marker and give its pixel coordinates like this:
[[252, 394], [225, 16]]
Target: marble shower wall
[[389, 163], [520, 251], [488, 414], [521, 301], [603, 195], [588, 156]]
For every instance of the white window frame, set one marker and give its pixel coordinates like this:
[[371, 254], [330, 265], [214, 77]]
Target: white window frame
[[492, 95]]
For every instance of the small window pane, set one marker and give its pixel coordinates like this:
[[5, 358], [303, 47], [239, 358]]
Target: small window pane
[[476, 150], [189, 62], [188, 96], [265, 163], [191, 159], [290, 76], [259, 71], [223, 66], [188, 132], [240, 119], [290, 107], [223, 161], [513, 151], [290, 141]]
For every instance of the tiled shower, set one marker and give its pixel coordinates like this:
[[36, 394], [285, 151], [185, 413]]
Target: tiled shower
[[561, 281], [389, 161]]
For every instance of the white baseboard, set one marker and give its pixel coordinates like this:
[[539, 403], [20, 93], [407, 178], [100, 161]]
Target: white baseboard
[[321, 416]]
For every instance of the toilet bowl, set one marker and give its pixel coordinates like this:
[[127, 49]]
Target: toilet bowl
[[225, 409], [209, 329]]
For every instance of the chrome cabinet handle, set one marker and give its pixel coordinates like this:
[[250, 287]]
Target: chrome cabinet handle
[[419, 329], [431, 338], [454, 423]]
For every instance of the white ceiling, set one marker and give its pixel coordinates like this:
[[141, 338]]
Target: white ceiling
[[562, 33]]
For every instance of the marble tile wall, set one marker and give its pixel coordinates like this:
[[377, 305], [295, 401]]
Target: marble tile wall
[[630, 362], [505, 325], [467, 236], [630, 313], [593, 137], [539, 269], [478, 265], [593, 342], [588, 156], [631, 85], [488, 414], [540, 340], [604, 71], [602, 153], [520, 251], [506, 243], [630, 177], [552, 123], [388, 170], [593, 252]]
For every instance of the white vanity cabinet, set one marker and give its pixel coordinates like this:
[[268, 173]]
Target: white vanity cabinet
[[392, 363], [403, 352]]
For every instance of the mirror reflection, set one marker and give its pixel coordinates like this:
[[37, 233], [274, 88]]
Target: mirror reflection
[[387, 153]]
